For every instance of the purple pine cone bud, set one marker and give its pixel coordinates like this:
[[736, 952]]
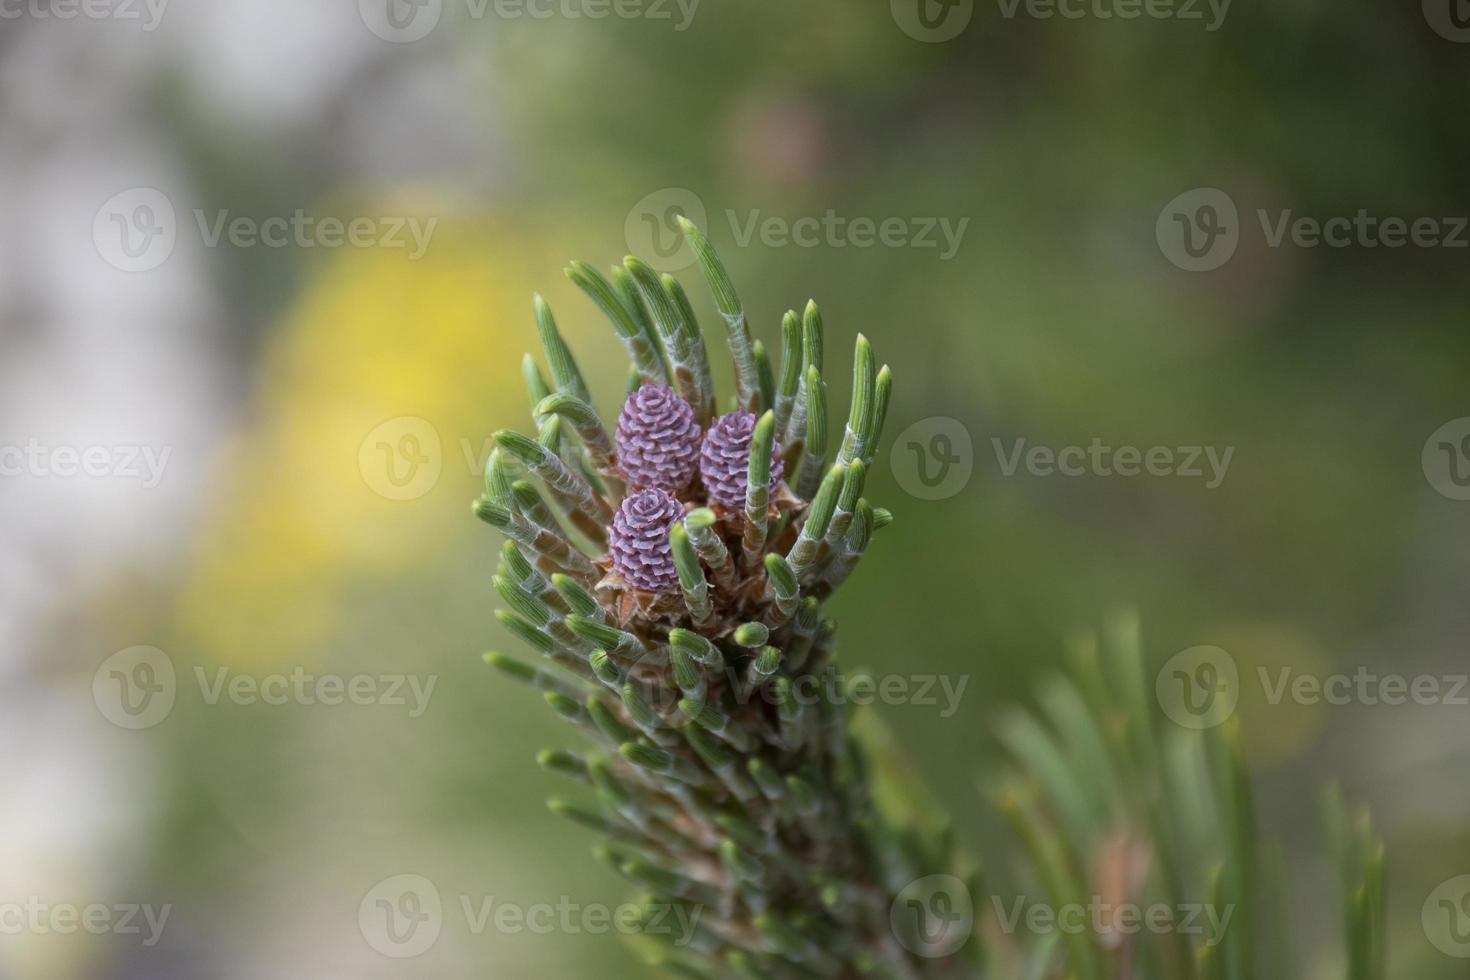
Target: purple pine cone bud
[[640, 540], [724, 460], [658, 439]]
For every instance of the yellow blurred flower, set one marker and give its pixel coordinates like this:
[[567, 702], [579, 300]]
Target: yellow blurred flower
[[373, 409]]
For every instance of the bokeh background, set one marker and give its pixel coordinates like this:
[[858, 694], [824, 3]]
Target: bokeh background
[[273, 543]]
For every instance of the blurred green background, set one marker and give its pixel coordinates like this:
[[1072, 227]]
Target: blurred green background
[[1059, 319]]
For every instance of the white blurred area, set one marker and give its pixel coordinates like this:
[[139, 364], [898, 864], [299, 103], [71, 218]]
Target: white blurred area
[[94, 356]]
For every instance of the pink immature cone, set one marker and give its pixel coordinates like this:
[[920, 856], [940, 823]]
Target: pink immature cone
[[724, 459], [640, 540], [658, 439]]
